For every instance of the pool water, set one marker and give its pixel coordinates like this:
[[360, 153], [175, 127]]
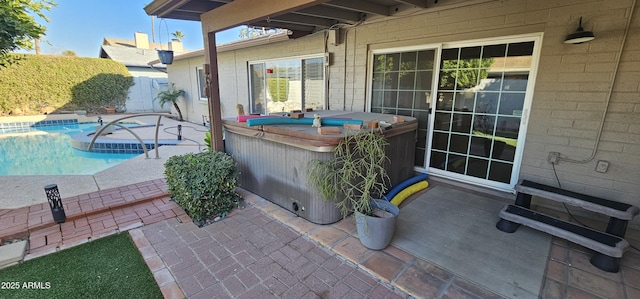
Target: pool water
[[47, 150]]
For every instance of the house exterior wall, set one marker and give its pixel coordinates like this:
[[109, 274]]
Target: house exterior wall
[[143, 92], [571, 90], [183, 74]]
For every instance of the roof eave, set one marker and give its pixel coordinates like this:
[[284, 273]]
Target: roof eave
[[161, 7]]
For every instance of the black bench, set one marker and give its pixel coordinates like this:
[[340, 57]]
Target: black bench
[[610, 244]]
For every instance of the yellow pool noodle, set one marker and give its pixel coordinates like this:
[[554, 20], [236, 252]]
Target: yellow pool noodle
[[406, 192]]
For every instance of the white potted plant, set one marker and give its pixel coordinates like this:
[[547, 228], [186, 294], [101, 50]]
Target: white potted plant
[[355, 177]]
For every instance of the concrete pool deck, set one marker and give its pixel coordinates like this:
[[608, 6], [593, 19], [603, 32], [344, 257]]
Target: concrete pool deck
[[21, 191]]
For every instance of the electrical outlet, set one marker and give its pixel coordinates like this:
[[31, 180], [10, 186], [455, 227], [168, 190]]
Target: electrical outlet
[[602, 166], [553, 158]]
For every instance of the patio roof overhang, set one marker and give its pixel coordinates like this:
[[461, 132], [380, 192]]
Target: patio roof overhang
[[299, 16], [296, 15]]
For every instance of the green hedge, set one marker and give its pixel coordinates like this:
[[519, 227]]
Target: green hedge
[[36, 84], [203, 184]]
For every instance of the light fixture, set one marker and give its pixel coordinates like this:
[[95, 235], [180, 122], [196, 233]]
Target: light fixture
[[580, 36], [55, 203]]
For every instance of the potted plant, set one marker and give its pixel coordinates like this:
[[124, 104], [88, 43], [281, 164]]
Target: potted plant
[[355, 177], [171, 95], [166, 56]]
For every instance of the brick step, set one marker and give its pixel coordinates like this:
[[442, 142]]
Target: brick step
[[109, 221], [18, 222]]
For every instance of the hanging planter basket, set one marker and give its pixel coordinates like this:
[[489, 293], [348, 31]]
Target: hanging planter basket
[[166, 56]]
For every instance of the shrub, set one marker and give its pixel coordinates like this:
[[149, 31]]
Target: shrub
[[43, 83], [203, 184]]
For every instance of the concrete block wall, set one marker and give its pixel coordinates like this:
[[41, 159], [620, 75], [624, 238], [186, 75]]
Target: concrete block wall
[[234, 84], [570, 99], [337, 75]]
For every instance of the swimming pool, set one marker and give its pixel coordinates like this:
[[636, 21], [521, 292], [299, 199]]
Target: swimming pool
[[47, 150]]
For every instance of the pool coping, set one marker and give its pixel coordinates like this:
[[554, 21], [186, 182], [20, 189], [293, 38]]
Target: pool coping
[[82, 140]]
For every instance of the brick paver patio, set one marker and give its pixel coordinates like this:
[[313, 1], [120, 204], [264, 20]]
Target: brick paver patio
[[265, 251], [251, 255]]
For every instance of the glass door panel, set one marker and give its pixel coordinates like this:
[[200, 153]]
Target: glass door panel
[[478, 113], [258, 88], [402, 84]]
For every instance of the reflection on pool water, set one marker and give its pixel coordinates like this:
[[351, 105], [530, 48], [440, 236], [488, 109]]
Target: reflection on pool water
[[47, 151]]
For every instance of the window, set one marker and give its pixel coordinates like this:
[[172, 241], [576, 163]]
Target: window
[[202, 83], [285, 85]]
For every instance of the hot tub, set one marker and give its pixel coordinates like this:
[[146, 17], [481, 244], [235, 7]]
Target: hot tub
[[273, 160]]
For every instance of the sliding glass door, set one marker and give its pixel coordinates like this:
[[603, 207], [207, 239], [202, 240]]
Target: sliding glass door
[[471, 102]]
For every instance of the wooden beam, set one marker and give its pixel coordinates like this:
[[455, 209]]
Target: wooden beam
[[360, 6], [303, 20], [241, 12], [417, 3], [276, 24], [330, 13], [213, 85]]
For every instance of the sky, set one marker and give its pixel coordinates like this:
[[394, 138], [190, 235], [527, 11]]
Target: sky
[[81, 26]]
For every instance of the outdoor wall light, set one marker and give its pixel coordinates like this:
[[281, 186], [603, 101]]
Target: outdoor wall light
[[579, 36]]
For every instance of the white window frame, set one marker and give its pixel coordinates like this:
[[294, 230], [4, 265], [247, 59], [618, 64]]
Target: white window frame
[[201, 85], [301, 58]]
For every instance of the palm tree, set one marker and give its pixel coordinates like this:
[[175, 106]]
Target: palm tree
[[178, 35], [171, 95]]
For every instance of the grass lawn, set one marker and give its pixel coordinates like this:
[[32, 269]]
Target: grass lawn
[[110, 267]]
